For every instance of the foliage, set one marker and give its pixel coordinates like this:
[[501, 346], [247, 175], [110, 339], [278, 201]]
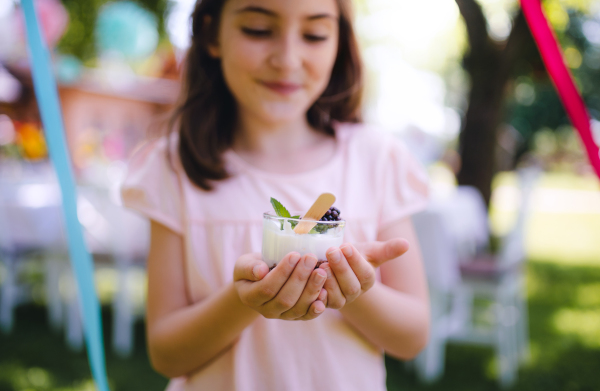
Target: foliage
[[79, 40], [534, 104]]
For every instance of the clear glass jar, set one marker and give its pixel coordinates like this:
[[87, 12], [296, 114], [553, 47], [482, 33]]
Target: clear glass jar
[[279, 238]]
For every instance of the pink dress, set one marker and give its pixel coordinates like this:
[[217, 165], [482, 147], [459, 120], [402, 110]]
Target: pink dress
[[377, 182]]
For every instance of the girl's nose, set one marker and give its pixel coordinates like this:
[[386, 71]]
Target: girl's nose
[[287, 53]]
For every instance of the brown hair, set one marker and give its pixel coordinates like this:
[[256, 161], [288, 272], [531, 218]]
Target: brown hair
[[205, 114]]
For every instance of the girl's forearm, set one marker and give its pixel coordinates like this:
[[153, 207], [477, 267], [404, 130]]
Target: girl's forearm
[[189, 338], [390, 319]]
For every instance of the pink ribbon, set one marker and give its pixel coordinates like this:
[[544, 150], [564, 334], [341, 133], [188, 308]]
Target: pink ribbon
[[563, 81]]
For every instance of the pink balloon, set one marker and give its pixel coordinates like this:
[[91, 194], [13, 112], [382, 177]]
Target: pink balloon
[[53, 19]]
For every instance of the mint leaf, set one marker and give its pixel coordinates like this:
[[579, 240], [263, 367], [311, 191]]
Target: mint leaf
[[280, 209], [294, 223]]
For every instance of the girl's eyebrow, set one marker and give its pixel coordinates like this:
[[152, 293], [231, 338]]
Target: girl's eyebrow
[[267, 12], [260, 10]]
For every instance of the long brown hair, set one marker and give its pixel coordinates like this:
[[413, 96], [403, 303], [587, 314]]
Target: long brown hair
[[206, 112]]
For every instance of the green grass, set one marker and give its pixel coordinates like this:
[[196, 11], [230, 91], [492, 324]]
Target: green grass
[[566, 231], [33, 358]]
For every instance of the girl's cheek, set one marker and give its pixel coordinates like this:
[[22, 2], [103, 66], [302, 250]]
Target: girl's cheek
[[245, 54], [320, 65]]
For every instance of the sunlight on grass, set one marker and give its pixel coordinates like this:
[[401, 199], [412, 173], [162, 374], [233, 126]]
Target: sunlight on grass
[[535, 285], [570, 181], [21, 378], [588, 295], [564, 220], [584, 325], [535, 354], [36, 379], [106, 279], [564, 238]]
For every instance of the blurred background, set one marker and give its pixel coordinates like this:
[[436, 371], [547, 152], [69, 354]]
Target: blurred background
[[511, 238]]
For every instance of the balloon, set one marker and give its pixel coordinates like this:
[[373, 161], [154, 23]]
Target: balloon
[[126, 29], [68, 69]]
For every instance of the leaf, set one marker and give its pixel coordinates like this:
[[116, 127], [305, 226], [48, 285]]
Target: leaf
[[294, 223], [280, 209], [321, 228]]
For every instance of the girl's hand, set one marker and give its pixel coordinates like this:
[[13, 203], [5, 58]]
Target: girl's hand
[[351, 272], [293, 290]]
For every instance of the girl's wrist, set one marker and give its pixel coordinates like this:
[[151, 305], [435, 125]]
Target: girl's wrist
[[237, 305]]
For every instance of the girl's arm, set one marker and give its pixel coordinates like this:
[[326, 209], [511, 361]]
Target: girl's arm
[[394, 314], [182, 337]]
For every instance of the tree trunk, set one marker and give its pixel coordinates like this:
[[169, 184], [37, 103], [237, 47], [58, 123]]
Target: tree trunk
[[489, 64]]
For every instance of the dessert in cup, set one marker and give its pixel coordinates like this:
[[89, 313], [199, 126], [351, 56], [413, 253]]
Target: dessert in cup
[[311, 233]]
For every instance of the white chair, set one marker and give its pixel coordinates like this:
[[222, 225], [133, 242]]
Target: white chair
[[441, 265], [123, 237], [30, 223], [498, 279]]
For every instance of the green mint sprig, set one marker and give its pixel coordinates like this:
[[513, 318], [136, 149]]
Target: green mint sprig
[[281, 211]]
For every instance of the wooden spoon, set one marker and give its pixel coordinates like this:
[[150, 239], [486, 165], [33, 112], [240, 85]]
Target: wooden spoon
[[314, 214]]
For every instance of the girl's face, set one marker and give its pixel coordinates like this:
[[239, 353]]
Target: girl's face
[[277, 55]]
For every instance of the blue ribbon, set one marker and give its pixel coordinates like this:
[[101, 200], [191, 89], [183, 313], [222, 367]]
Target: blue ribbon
[[81, 261]]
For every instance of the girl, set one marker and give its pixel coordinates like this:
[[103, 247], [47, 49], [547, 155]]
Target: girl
[[270, 108]]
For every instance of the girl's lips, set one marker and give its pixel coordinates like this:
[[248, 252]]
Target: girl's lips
[[282, 88]]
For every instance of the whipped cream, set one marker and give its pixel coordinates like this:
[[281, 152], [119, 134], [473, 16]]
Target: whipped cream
[[277, 242]]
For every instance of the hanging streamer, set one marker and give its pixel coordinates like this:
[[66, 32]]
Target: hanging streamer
[[562, 79], [81, 261]]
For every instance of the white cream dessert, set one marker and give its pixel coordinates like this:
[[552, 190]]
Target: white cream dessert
[[279, 239]]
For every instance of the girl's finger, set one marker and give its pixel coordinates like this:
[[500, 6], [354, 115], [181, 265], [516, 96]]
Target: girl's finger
[[347, 280], [311, 292], [323, 296], [362, 269], [335, 297], [378, 253], [258, 293], [250, 267], [291, 291], [316, 309]]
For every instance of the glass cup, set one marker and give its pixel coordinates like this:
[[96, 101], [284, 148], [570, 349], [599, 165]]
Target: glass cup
[[279, 238]]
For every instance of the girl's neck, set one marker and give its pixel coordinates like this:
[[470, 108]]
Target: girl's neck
[[263, 138], [283, 148]]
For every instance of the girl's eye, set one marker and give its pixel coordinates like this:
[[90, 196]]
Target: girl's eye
[[256, 32], [315, 38]]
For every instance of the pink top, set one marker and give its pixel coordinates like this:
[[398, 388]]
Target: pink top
[[219, 226]]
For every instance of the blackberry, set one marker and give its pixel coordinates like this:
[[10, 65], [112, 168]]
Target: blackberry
[[333, 214]]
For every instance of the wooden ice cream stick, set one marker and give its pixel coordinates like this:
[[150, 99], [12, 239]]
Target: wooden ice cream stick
[[314, 214]]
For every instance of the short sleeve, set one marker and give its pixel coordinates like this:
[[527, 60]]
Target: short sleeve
[[405, 185], [151, 186]]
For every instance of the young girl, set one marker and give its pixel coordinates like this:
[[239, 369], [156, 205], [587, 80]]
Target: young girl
[[270, 108]]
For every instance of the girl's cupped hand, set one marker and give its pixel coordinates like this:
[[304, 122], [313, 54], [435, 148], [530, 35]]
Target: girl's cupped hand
[[351, 270], [293, 290]]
